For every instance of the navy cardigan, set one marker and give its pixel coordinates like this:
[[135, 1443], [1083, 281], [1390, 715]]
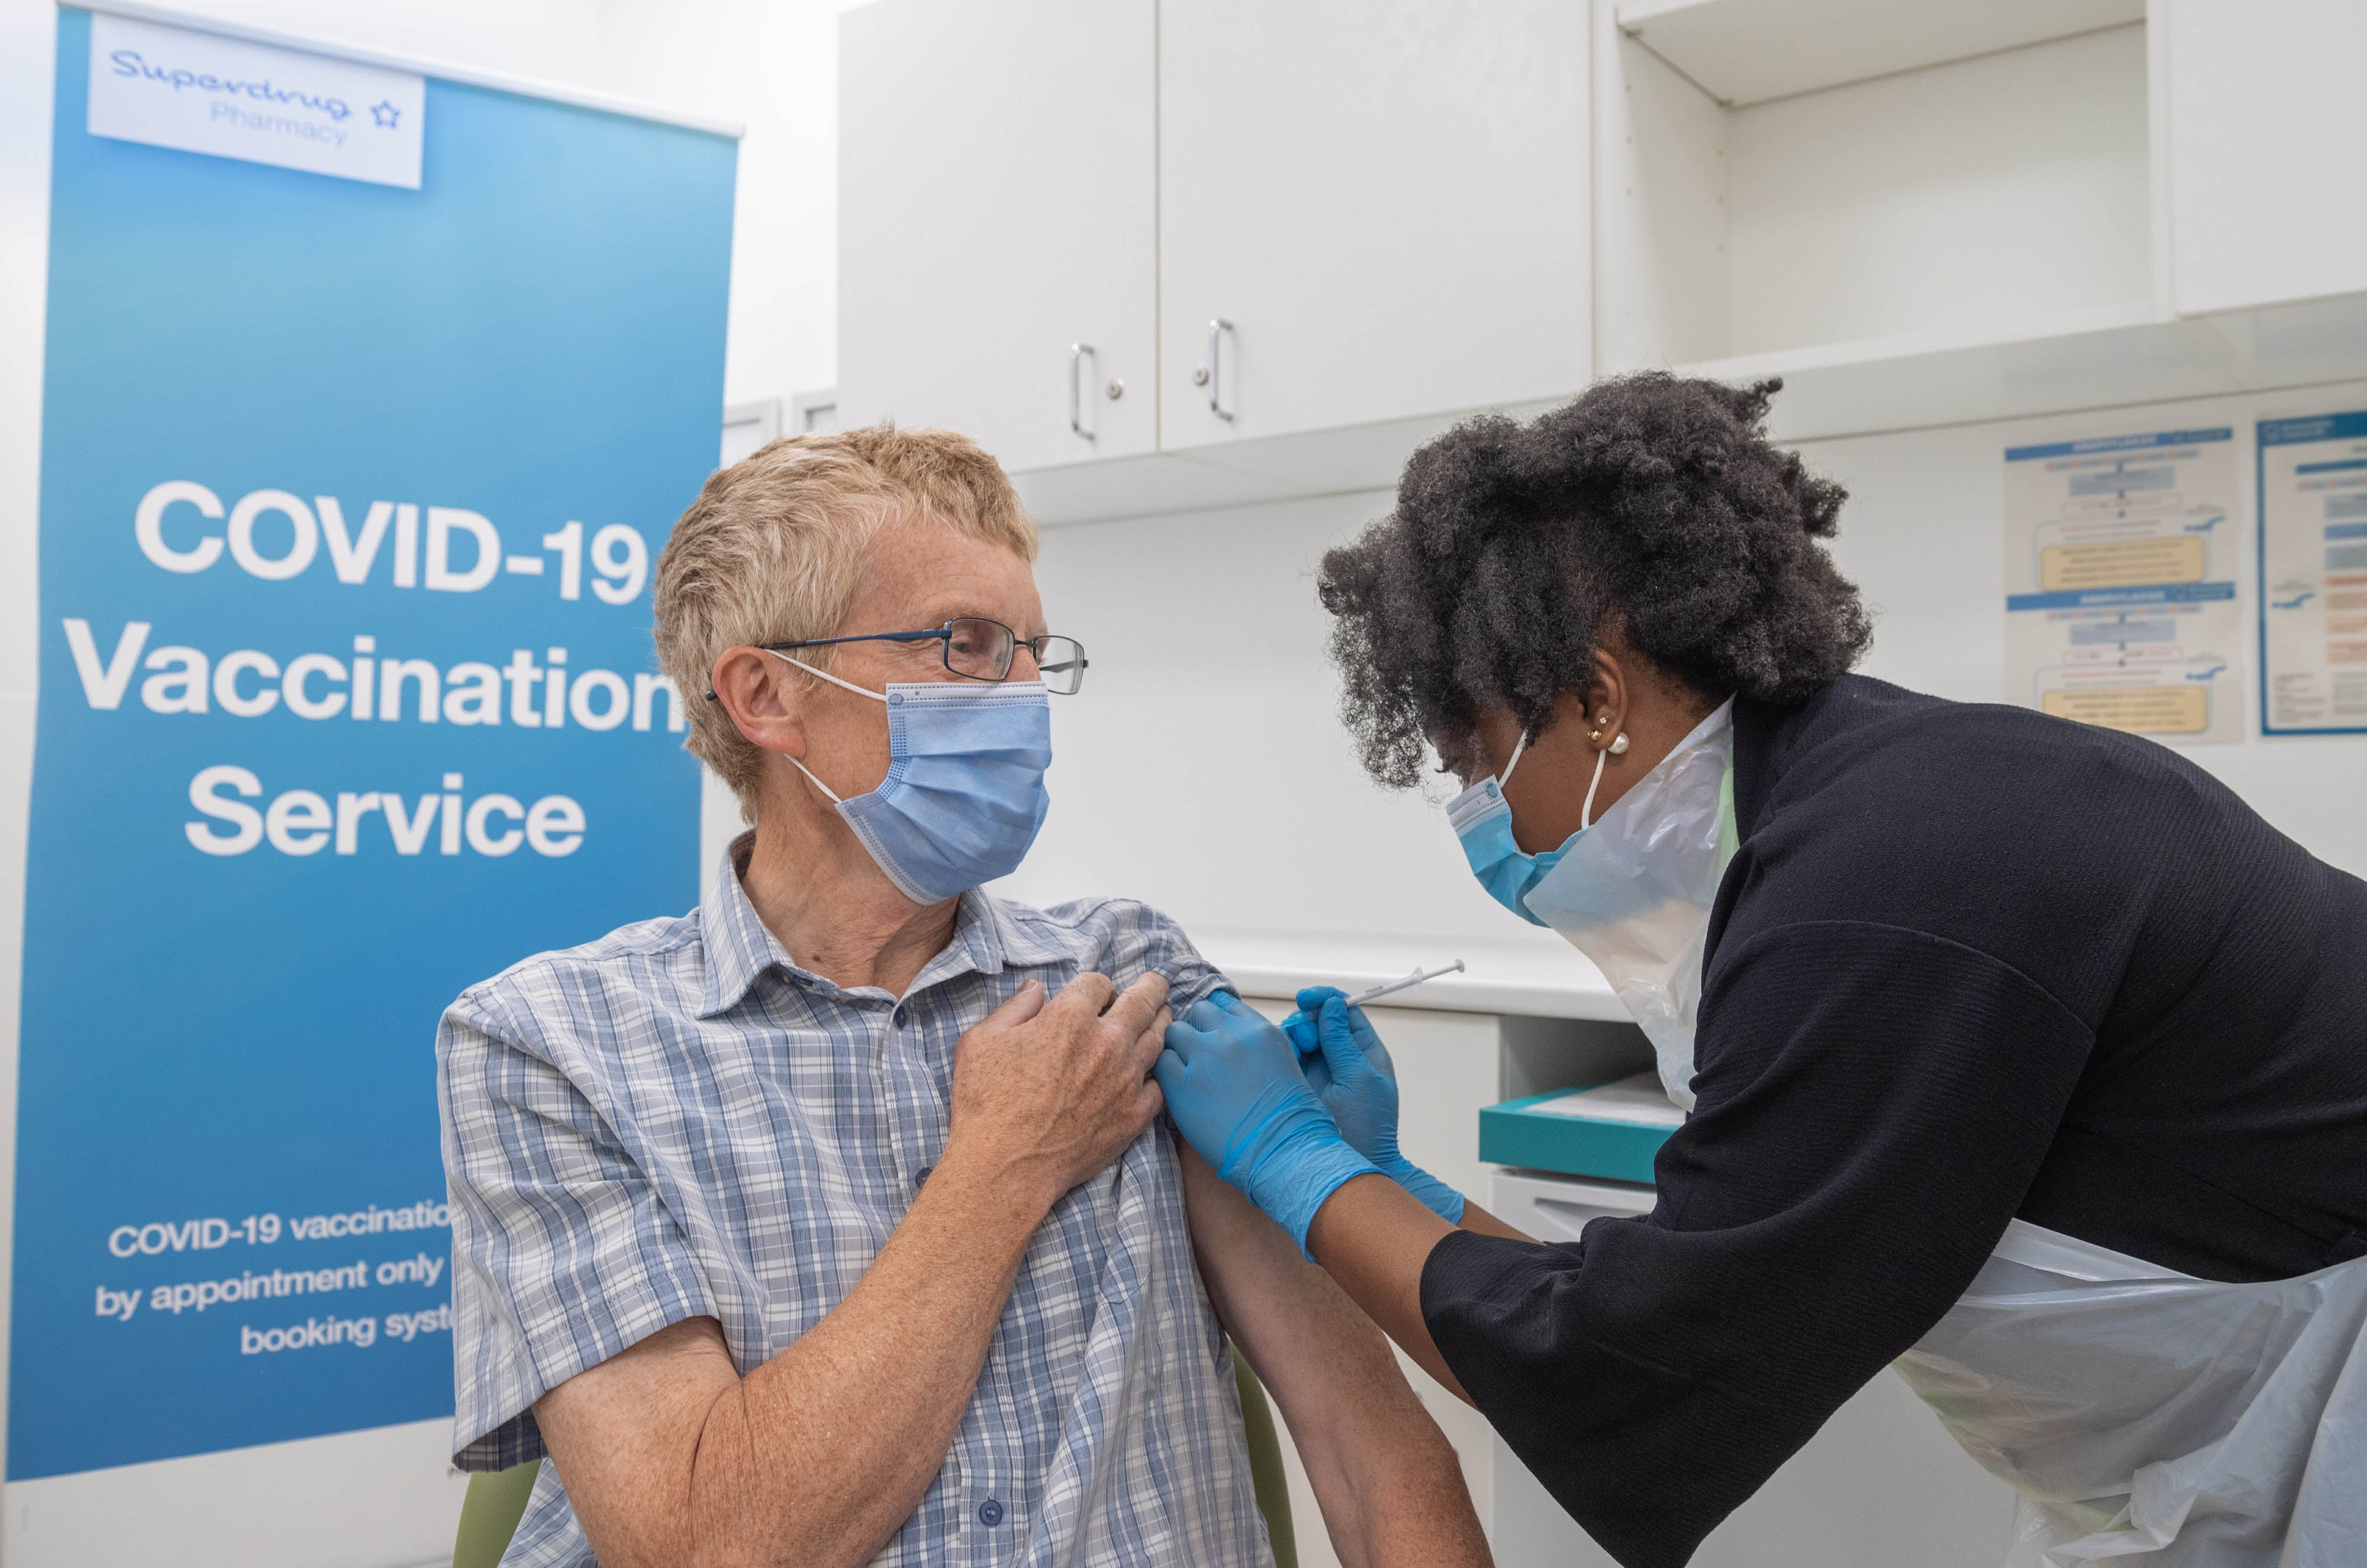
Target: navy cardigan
[[1969, 963]]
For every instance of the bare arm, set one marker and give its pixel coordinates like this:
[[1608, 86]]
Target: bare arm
[[1389, 1485], [1374, 1238], [669, 1456]]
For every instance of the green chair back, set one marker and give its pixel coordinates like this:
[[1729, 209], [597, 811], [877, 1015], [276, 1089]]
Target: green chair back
[[496, 1499], [1266, 1464], [489, 1514]]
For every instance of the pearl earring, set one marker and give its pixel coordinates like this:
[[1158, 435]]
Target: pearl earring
[[1618, 744]]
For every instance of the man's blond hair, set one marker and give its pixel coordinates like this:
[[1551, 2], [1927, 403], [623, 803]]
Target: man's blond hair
[[772, 551]]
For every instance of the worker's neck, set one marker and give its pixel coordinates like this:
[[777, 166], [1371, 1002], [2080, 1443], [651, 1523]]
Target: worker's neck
[[822, 895]]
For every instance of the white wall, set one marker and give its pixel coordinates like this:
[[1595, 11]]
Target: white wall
[[376, 1499]]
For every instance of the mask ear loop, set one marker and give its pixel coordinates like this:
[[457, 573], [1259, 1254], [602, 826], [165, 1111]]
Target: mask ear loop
[[1505, 778], [1586, 812], [826, 675]]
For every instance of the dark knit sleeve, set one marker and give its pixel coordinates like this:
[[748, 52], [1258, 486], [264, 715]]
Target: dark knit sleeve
[[1872, 1104]]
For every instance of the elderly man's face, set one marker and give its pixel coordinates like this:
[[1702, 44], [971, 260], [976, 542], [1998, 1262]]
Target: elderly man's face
[[920, 574]]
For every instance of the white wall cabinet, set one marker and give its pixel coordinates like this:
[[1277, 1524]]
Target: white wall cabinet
[[1390, 207], [996, 209], [1388, 204], [2267, 146]]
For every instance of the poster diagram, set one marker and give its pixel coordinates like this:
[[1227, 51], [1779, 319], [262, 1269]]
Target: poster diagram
[[2119, 569], [2313, 574]]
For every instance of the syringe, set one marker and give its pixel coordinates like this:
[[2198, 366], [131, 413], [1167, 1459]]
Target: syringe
[[1409, 981]]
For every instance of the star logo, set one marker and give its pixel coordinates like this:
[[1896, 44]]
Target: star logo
[[385, 113]]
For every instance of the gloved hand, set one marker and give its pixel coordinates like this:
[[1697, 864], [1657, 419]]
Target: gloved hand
[[1235, 1092], [1350, 1071]]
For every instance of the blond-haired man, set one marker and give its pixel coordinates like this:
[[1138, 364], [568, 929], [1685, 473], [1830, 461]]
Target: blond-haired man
[[831, 1222]]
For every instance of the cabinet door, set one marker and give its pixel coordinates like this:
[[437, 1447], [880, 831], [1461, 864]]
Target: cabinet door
[[2266, 147], [997, 208], [1388, 203]]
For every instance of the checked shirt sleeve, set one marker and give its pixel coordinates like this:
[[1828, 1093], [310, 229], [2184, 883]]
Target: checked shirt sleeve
[[562, 1253], [1145, 941]]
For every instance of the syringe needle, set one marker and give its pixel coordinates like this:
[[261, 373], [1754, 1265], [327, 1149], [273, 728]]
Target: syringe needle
[[1407, 982]]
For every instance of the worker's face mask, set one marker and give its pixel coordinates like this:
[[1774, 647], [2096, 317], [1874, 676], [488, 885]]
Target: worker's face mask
[[1632, 891], [964, 795], [1482, 821]]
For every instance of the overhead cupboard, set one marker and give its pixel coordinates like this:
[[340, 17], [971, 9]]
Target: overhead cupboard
[[1093, 230], [1163, 252]]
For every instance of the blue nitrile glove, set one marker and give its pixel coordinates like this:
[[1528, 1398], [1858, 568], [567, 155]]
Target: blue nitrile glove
[[1234, 1091], [1349, 1069]]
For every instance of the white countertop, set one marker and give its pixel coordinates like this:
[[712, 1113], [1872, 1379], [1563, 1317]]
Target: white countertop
[[1540, 976]]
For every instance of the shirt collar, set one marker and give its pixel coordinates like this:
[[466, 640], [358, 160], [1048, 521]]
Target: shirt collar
[[741, 949]]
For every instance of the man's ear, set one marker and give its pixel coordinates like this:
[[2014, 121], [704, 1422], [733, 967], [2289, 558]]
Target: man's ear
[[765, 701]]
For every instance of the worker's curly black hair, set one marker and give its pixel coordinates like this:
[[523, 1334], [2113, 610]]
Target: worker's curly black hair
[[1652, 502]]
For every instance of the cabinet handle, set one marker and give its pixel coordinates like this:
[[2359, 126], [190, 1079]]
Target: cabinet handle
[[1077, 354], [1217, 331]]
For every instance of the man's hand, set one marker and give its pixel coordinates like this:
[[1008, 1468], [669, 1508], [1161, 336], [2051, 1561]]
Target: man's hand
[[1048, 1094]]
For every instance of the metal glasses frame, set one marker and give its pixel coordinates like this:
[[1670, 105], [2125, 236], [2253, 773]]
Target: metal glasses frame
[[944, 635]]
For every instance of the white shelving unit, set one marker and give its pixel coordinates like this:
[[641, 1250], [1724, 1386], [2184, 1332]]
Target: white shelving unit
[[1789, 175]]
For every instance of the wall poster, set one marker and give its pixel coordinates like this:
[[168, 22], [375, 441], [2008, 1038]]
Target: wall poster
[[2120, 562], [2312, 475], [355, 463]]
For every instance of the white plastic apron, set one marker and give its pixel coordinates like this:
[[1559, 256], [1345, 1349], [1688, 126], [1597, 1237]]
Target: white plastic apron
[[1634, 891], [2145, 1414]]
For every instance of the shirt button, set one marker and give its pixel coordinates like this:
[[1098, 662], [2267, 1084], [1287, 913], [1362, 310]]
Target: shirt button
[[989, 1513], [897, 1017], [922, 1179]]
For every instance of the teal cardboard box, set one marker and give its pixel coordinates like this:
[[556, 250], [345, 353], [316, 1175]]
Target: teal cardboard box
[[1517, 1133]]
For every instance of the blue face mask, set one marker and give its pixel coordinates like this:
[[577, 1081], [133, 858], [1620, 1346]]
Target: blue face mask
[[964, 795], [1483, 824]]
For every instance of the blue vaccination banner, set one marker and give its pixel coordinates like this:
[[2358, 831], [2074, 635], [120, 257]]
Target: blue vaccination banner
[[352, 481]]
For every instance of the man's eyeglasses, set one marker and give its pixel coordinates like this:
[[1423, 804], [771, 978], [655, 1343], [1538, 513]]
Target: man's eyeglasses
[[979, 650]]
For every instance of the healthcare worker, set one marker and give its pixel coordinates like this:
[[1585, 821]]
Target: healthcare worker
[[2019, 1054]]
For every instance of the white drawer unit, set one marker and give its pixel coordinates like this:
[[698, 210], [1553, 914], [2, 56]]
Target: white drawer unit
[[1882, 1486]]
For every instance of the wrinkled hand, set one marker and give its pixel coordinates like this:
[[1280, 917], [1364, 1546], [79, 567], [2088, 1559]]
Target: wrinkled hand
[[1351, 1073], [1051, 1092], [1235, 1092]]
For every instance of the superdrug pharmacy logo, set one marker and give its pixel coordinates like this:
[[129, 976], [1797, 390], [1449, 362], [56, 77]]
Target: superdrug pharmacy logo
[[227, 98]]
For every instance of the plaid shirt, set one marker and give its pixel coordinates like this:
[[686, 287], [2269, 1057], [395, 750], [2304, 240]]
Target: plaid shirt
[[677, 1121]]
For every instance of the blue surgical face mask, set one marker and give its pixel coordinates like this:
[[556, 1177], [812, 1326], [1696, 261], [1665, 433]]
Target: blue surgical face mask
[[964, 795], [1482, 821]]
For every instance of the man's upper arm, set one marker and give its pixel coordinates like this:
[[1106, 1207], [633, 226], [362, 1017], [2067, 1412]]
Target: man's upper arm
[[562, 1254], [1326, 1364]]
